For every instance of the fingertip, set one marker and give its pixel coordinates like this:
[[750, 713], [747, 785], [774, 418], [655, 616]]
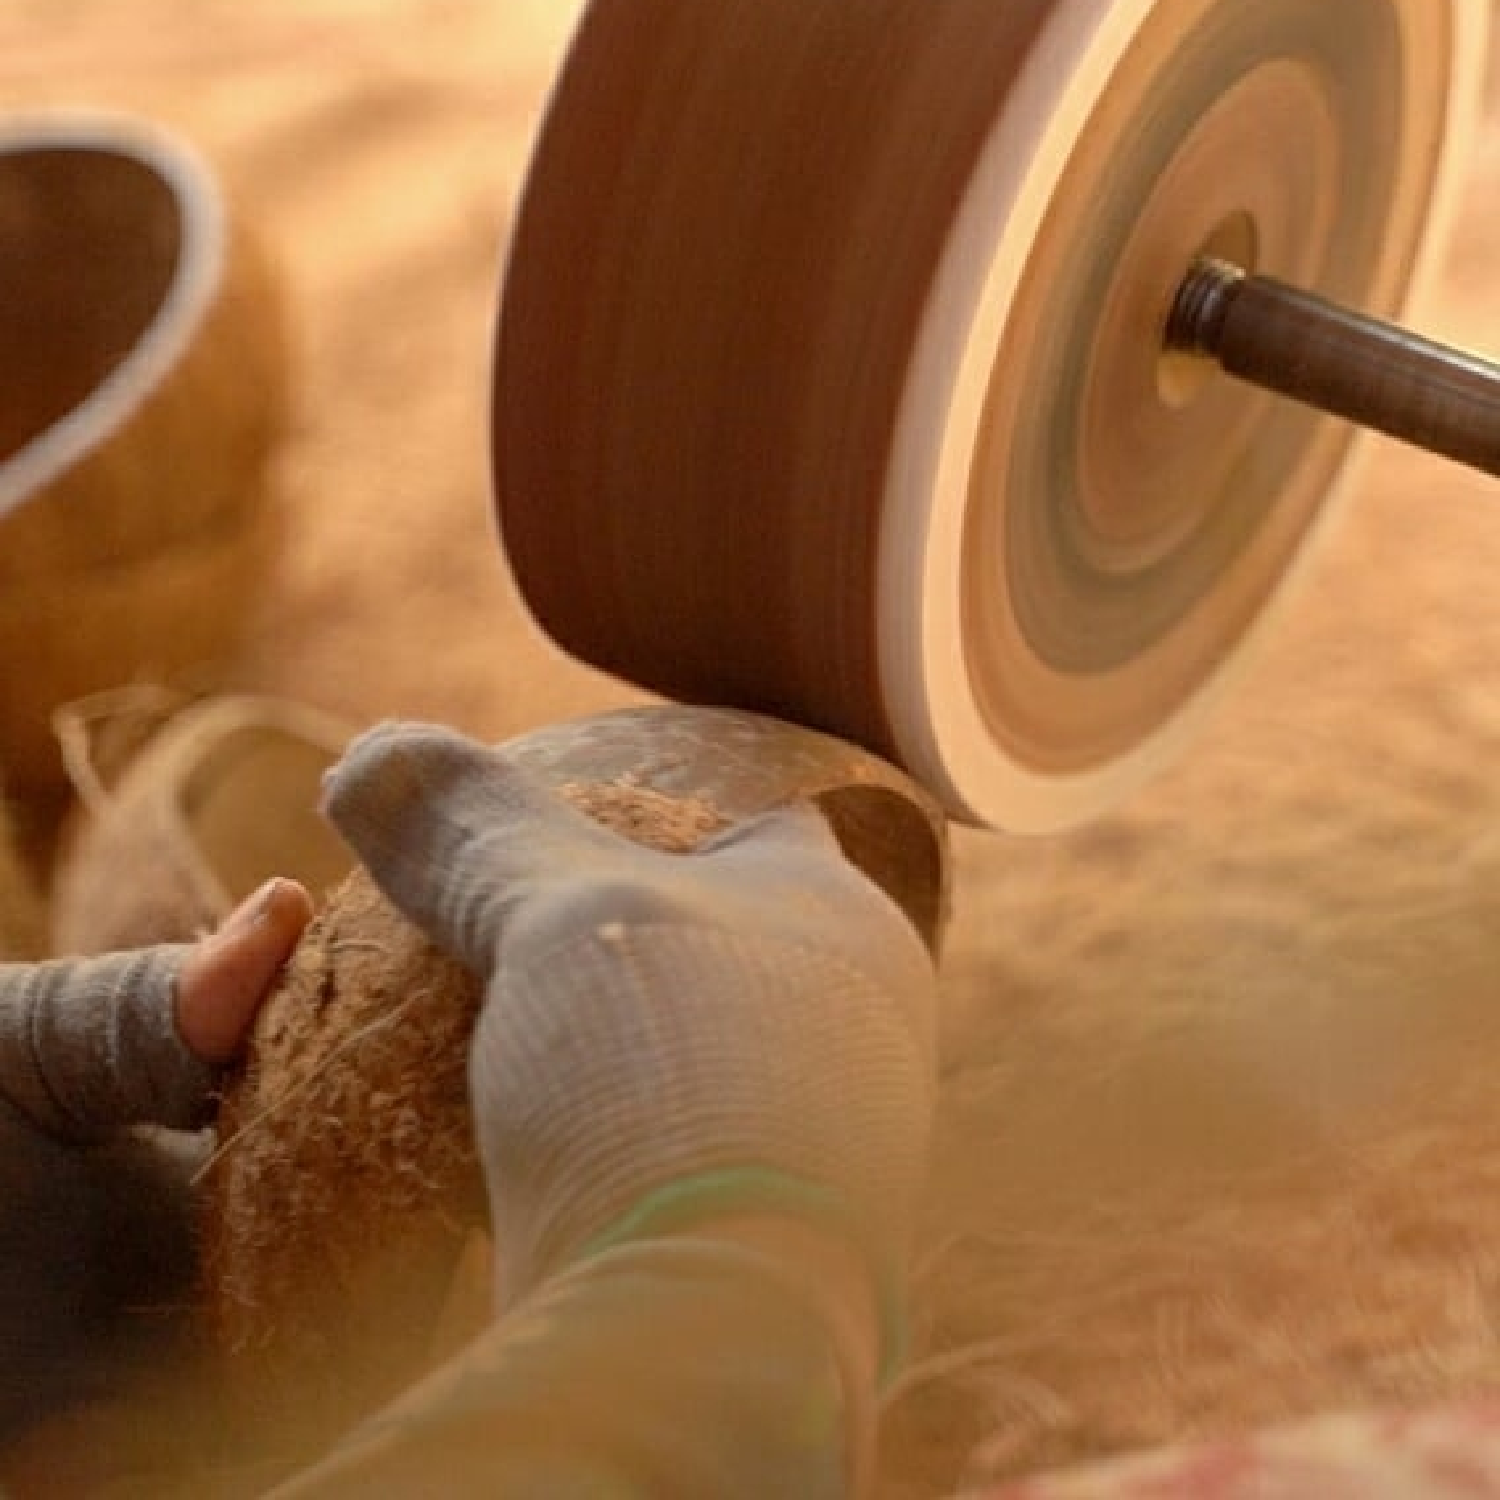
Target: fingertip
[[289, 906], [394, 767], [227, 978], [369, 746]]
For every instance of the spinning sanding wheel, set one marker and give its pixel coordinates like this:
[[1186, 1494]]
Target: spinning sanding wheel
[[868, 362]]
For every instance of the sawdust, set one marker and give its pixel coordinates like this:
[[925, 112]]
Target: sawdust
[[672, 824], [1118, 1330]]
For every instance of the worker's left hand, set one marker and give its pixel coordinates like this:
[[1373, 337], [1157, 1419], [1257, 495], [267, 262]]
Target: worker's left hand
[[88, 1049]]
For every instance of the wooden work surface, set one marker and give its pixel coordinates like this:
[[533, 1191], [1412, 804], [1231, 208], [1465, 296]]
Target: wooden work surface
[[1284, 957]]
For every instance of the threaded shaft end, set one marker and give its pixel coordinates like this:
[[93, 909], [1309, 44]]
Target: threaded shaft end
[[1196, 322]]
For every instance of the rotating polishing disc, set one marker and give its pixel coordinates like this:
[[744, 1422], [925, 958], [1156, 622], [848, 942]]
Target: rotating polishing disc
[[833, 378]]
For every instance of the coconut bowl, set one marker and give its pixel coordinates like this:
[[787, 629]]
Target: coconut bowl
[[141, 385]]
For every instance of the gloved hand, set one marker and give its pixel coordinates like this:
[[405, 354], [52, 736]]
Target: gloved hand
[[88, 1048], [665, 1037]]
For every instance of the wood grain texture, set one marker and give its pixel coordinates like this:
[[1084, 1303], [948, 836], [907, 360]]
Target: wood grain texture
[[672, 245]]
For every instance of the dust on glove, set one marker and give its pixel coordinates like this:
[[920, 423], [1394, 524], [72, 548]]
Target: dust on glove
[[664, 1035]]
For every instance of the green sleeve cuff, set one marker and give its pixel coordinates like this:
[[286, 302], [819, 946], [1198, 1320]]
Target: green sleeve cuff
[[686, 1202]]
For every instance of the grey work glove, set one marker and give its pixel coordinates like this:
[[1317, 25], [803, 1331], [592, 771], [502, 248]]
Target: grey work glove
[[747, 1026], [91, 1221]]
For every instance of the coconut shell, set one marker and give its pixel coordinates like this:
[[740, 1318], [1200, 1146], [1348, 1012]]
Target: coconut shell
[[346, 1184], [221, 797], [141, 388]]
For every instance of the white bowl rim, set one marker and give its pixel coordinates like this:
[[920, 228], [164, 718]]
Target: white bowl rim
[[176, 323]]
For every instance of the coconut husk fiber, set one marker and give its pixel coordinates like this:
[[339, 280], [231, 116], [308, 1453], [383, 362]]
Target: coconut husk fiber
[[216, 797], [346, 1182], [345, 1187]]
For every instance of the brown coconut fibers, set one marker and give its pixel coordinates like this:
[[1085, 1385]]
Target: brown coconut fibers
[[346, 1182]]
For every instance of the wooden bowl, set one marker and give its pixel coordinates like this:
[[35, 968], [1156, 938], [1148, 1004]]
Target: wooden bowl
[[346, 1184], [141, 384]]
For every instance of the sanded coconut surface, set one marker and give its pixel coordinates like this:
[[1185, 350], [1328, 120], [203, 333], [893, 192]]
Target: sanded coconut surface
[[347, 1179]]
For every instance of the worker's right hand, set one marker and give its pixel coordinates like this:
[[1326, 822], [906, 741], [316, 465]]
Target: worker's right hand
[[666, 1037]]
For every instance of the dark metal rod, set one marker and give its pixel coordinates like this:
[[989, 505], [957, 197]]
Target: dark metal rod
[[1352, 366]]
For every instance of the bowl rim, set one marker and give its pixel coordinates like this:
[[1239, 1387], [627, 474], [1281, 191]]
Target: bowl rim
[[112, 402]]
